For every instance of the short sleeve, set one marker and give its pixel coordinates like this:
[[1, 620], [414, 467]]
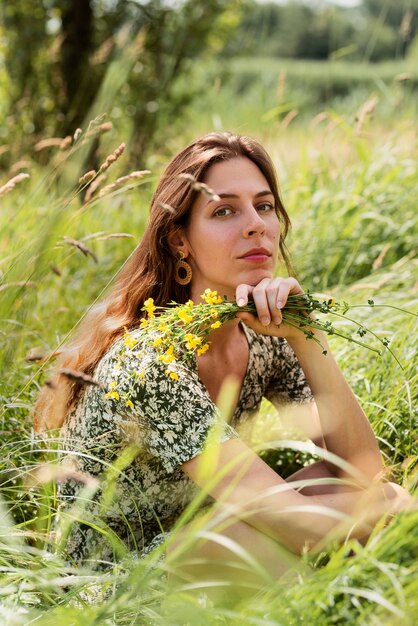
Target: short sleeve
[[172, 416], [288, 383]]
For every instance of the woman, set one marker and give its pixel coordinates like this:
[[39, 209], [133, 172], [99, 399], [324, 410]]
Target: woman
[[216, 222]]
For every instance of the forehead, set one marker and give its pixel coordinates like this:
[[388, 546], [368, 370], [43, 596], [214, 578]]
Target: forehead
[[235, 176]]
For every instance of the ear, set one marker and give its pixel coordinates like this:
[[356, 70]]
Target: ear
[[177, 241]]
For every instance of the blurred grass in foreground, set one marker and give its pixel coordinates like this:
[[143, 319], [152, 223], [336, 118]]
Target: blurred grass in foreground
[[352, 194]]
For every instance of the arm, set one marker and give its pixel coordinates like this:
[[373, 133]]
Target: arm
[[233, 474], [345, 428]]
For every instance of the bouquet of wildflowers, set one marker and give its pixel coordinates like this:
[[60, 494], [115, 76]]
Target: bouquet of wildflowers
[[180, 332]]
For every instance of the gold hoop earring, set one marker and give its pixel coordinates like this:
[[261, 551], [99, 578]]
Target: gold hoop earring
[[182, 271]]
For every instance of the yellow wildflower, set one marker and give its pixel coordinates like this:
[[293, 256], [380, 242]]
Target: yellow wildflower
[[112, 394], [192, 341], [189, 303], [185, 317], [113, 384], [171, 374], [216, 324], [168, 357], [140, 374], [144, 323], [157, 342], [129, 341], [129, 403], [203, 349], [330, 302], [211, 297], [149, 307], [164, 328], [214, 312]]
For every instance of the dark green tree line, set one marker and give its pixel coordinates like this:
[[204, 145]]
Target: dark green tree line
[[374, 31]]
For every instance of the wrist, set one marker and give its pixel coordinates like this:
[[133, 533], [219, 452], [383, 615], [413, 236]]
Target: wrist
[[300, 341]]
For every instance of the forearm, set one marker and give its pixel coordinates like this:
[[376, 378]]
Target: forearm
[[313, 521], [346, 430]]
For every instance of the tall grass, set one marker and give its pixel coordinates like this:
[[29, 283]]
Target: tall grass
[[352, 195]]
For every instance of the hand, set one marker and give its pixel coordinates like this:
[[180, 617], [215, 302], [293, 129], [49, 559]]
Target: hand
[[270, 296]]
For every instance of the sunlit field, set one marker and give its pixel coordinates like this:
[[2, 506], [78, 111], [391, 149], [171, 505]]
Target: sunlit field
[[349, 181]]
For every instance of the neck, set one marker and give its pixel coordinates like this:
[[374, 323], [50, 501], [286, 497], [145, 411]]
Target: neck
[[221, 338]]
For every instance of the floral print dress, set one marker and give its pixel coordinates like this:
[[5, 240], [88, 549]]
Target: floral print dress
[[137, 448]]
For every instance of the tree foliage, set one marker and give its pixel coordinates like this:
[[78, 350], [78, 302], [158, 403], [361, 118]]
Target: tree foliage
[[67, 60]]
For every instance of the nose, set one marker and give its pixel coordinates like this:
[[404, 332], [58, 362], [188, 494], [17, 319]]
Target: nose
[[255, 224]]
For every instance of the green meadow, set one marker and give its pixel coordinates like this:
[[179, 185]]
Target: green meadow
[[344, 139]]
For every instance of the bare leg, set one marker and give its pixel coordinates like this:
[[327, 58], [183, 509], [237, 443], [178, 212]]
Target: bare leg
[[237, 555]]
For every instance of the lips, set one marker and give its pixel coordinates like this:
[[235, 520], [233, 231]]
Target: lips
[[256, 253]]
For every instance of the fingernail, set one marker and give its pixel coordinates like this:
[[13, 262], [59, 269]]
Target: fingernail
[[241, 302], [279, 304], [277, 320], [265, 321]]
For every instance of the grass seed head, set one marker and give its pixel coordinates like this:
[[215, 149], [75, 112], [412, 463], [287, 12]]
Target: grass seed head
[[87, 177], [112, 158], [11, 184], [94, 185], [122, 181]]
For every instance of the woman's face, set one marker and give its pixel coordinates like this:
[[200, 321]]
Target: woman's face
[[233, 240]]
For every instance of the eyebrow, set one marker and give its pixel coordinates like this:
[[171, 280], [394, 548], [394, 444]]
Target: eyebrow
[[265, 192]]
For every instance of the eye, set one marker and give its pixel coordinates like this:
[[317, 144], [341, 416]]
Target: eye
[[264, 207], [222, 211]]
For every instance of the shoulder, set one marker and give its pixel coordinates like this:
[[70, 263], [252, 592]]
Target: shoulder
[[132, 371]]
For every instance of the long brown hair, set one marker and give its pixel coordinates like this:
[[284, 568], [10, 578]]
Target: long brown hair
[[149, 272]]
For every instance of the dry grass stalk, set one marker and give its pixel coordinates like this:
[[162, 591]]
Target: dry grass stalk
[[380, 258], [100, 129], [122, 181], [289, 118], [105, 127], [36, 356], [167, 207], [66, 142], [87, 177], [404, 76], [52, 142], [102, 53], [112, 158], [94, 186], [11, 184], [116, 236], [80, 377], [405, 28], [80, 246], [202, 187], [365, 111], [56, 270], [20, 165], [281, 86], [18, 283]]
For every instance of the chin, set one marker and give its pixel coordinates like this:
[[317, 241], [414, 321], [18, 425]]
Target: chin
[[257, 277]]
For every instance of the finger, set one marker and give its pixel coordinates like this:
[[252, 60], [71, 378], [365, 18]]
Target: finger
[[271, 292], [287, 286], [261, 303], [241, 294]]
